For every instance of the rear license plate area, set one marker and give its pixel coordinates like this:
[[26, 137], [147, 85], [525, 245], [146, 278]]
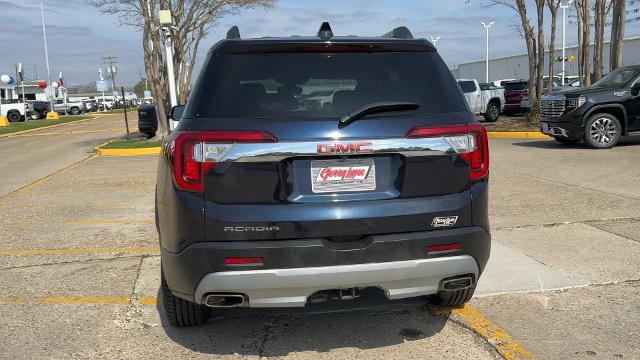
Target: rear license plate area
[[343, 175]]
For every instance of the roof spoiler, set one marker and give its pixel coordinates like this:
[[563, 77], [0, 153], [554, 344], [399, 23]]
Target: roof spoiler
[[233, 33], [401, 32]]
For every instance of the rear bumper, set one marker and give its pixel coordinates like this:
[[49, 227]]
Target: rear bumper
[[147, 128], [515, 107], [295, 269], [292, 287]]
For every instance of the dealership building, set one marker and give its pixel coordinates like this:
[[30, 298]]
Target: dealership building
[[517, 66]]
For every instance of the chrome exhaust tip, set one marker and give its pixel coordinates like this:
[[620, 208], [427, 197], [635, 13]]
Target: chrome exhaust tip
[[224, 300], [457, 283]]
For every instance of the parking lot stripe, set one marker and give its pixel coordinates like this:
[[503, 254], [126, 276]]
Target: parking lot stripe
[[494, 334], [83, 300], [72, 132], [82, 222], [87, 250], [50, 126], [72, 166], [75, 300], [148, 300]]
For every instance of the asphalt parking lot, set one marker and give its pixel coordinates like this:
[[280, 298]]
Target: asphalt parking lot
[[79, 265]]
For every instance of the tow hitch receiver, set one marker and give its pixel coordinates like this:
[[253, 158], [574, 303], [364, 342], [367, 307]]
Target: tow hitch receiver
[[338, 294]]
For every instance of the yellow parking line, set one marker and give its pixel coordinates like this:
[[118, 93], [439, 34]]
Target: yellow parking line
[[70, 132], [516, 135], [495, 335], [86, 250], [83, 300], [82, 222], [74, 300], [28, 186], [148, 300]]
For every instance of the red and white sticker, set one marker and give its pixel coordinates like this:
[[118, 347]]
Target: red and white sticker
[[333, 176], [338, 173]]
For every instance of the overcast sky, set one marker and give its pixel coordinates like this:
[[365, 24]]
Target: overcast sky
[[79, 36]]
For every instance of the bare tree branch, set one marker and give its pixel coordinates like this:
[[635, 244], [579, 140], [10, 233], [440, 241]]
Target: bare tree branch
[[192, 20]]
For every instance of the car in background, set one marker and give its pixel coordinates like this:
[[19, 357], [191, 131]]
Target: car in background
[[73, 108], [105, 105], [516, 95], [91, 105], [147, 119], [14, 110], [483, 99], [502, 82], [39, 109], [598, 115], [319, 98]]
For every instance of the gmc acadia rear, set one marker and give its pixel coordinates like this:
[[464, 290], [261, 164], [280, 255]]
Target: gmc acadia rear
[[268, 197]]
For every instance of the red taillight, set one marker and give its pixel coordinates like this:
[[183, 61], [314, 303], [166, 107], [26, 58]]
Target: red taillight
[[468, 140], [194, 153], [442, 248], [249, 261]]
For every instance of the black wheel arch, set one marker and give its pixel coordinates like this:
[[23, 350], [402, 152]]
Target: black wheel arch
[[616, 110], [497, 101]]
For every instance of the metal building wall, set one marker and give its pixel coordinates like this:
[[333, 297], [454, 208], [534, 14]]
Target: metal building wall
[[516, 67]]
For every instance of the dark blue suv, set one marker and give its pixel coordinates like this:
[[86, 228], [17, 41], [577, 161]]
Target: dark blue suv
[[306, 169]]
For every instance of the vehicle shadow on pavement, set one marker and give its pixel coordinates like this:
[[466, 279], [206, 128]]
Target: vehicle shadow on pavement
[[552, 144], [368, 322]]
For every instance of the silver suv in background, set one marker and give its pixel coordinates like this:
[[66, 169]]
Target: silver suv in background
[[73, 108]]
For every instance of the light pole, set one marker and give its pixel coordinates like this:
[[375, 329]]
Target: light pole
[[487, 27], [564, 8], [166, 21], [104, 102], [46, 56], [434, 40]]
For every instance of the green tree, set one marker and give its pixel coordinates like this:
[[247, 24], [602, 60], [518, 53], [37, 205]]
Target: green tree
[[140, 87]]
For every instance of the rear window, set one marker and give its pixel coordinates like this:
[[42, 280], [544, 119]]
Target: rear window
[[306, 85], [467, 86], [516, 86]]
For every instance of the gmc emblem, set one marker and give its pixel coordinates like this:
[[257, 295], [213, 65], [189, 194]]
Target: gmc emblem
[[350, 148]]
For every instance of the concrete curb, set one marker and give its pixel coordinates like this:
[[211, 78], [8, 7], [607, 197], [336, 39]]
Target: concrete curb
[[156, 150], [92, 117], [128, 152], [516, 135]]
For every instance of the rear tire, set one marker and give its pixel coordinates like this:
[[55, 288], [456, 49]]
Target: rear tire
[[180, 312], [565, 141], [14, 116], [492, 113], [74, 111], [454, 298]]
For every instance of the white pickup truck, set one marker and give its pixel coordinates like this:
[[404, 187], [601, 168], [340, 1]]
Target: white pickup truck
[[483, 99], [14, 111]]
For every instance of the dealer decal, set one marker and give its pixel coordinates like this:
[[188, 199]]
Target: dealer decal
[[444, 221]]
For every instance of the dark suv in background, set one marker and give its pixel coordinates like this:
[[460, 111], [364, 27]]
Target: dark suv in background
[[268, 197], [598, 115]]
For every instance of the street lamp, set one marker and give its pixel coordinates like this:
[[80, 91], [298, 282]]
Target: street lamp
[[564, 8], [52, 114], [434, 40], [166, 21], [487, 27]]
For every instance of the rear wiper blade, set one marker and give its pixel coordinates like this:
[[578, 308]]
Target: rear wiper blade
[[377, 107]]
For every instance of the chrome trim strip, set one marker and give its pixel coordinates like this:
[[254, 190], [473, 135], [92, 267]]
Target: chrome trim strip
[[274, 152], [292, 287]]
